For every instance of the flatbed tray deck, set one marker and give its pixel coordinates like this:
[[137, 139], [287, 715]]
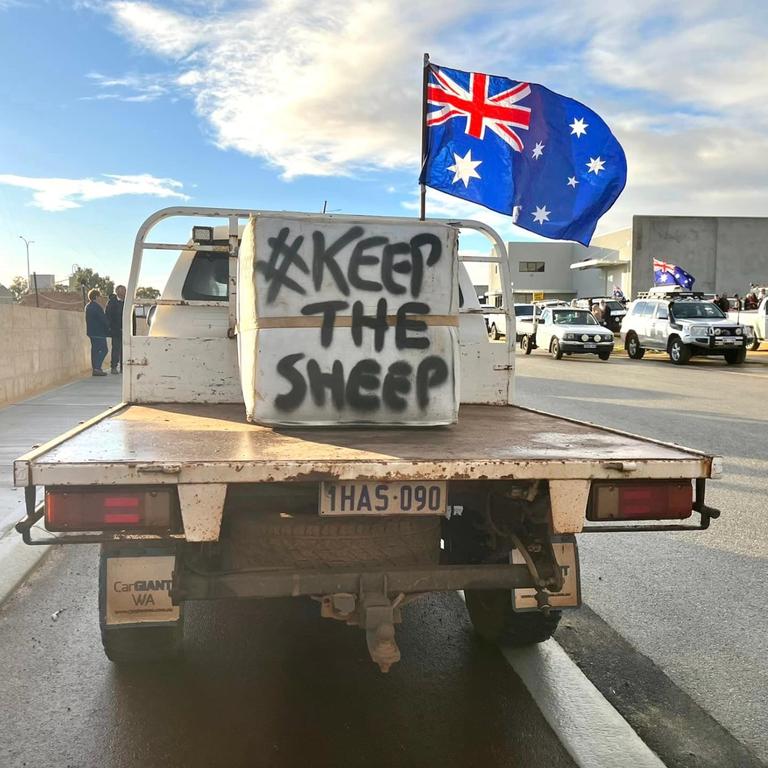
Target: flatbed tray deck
[[213, 443]]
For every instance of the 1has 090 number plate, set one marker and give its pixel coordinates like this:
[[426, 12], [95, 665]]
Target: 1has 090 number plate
[[372, 498]]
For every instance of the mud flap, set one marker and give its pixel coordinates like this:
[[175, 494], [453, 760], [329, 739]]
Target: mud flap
[[135, 588], [567, 556]]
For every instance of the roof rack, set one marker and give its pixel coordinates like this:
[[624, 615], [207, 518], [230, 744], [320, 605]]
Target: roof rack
[[671, 293]]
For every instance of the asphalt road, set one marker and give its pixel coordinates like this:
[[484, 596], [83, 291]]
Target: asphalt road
[[692, 602], [269, 683], [264, 684]]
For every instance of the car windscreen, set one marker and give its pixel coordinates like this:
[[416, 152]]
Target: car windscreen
[[525, 311], [573, 317], [685, 310], [614, 306], [207, 278]]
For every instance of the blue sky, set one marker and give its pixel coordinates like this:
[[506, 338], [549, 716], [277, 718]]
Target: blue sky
[[114, 109]]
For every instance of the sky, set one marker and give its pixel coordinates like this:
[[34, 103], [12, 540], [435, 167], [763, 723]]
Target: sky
[[115, 108]]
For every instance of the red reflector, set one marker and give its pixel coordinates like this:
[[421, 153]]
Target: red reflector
[[89, 509], [641, 500]]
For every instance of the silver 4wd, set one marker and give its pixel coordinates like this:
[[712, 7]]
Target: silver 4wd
[[683, 325], [570, 331]]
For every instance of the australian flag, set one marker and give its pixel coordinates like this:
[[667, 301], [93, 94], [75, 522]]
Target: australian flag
[[521, 149], [670, 274]]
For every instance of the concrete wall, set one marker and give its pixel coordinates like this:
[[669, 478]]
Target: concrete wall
[[40, 348], [724, 254]]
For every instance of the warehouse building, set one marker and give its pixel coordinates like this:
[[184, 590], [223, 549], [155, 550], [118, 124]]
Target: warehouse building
[[724, 253]]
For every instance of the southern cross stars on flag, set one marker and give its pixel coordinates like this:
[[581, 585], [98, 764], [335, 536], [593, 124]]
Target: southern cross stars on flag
[[671, 274], [521, 149]]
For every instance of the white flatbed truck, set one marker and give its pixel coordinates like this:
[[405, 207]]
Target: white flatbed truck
[[191, 501]]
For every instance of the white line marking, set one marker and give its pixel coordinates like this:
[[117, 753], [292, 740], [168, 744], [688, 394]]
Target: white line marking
[[593, 732]]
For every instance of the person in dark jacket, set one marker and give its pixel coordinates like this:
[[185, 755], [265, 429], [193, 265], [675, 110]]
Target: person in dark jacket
[[605, 312], [97, 328], [114, 314]]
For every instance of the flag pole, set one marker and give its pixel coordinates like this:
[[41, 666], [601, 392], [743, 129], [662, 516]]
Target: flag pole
[[425, 79]]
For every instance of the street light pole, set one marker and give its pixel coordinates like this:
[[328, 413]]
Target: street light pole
[[27, 243]]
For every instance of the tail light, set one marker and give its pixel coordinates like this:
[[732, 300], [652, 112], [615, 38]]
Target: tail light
[[129, 508], [641, 500]]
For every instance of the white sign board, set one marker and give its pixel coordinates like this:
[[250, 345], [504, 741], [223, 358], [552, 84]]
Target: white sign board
[[348, 320]]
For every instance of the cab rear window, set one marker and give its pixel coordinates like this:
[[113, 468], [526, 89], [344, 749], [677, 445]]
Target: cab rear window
[[207, 277]]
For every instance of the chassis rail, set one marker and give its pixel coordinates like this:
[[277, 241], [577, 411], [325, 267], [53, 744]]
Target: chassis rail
[[190, 585]]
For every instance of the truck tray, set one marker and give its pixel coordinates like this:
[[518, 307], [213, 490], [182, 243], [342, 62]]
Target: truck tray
[[199, 443]]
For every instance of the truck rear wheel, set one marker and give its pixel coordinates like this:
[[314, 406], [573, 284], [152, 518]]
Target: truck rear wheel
[[139, 645], [490, 611], [494, 332], [527, 344], [307, 541]]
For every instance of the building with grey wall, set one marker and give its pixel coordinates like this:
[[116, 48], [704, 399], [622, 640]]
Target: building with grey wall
[[724, 253]]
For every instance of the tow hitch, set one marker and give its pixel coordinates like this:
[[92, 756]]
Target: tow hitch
[[372, 611]]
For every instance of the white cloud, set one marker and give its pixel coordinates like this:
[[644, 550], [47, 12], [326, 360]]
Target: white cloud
[[53, 194], [334, 87], [130, 88]]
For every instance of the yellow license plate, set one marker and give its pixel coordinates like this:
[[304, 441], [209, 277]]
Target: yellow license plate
[[372, 498]]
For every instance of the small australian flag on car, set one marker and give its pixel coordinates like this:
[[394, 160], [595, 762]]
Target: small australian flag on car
[[518, 148]]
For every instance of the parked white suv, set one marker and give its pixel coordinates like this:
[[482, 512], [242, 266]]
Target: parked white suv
[[567, 330], [683, 325]]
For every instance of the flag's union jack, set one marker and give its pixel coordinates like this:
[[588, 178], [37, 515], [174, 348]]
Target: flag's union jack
[[499, 112]]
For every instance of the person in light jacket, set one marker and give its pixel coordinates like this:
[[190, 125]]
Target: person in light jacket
[[97, 328]]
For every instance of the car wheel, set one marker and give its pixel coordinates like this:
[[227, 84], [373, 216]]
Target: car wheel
[[556, 350], [736, 356], [755, 344], [632, 345], [679, 353], [494, 332], [527, 344], [604, 355]]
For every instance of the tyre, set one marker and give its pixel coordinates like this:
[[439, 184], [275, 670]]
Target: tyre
[[755, 344], [556, 350], [490, 611], [632, 345], [141, 645], [309, 541], [604, 355], [527, 344], [494, 332], [679, 353], [736, 356]]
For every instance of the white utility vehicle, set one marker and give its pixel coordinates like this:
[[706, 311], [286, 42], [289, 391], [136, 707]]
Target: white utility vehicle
[[756, 319], [568, 331], [497, 322], [230, 470]]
